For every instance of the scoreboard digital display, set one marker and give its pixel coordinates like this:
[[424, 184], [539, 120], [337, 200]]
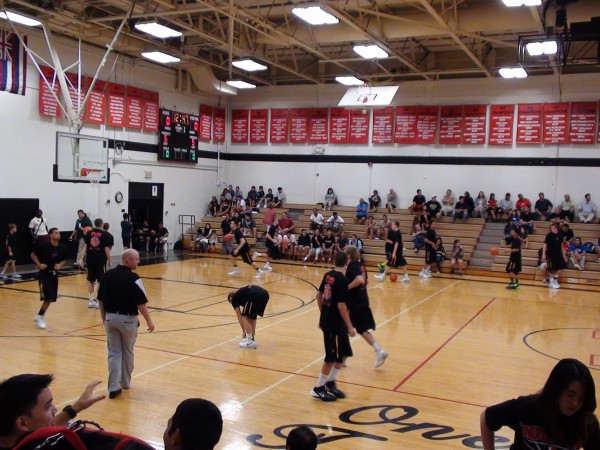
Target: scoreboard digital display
[[178, 137]]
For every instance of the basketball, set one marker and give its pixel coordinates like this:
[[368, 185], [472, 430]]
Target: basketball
[[393, 278], [285, 243], [86, 230], [228, 237], [494, 251]]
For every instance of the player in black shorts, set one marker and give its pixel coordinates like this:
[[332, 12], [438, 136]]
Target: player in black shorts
[[394, 250], [514, 261], [336, 325], [248, 303], [49, 257], [243, 250], [554, 255], [361, 315], [272, 244], [97, 253], [430, 248]]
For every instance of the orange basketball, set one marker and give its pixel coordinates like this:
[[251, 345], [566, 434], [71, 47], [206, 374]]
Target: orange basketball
[[393, 278], [285, 243], [86, 230], [228, 237], [494, 251]]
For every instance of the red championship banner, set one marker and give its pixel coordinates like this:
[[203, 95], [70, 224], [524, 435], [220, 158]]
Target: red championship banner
[[451, 125], [406, 125], [219, 125], [95, 109], [47, 103], [151, 107], [359, 127], [72, 87], [383, 122], [258, 126], [299, 125], [529, 123], [556, 123], [501, 124], [427, 119], [280, 126], [205, 123], [474, 124], [339, 123], [116, 105], [583, 122], [318, 126], [135, 108], [239, 126]]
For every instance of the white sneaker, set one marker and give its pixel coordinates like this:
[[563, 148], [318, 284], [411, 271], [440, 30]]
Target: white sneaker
[[91, 303], [577, 266], [40, 322], [267, 267], [16, 275], [96, 304], [249, 343], [257, 254], [305, 259], [422, 274], [379, 276], [259, 274], [405, 279], [381, 356], [235, 271], [427, 275], [554, 284]]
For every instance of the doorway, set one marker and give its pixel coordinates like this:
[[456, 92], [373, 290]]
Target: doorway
[[146, 201]]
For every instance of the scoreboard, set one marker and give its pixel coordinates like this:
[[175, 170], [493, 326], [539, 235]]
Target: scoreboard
[[178, 136]]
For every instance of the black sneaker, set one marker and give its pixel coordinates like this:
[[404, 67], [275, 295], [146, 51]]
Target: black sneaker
[[332, 387], [322, 393]]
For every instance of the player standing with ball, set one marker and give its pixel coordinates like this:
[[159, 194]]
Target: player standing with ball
[[242, 249]]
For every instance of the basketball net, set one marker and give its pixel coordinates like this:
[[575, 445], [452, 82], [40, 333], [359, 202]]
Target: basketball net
[[92, 175], [364, 93]]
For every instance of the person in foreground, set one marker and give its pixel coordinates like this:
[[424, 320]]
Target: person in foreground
[[560, 416], [197, 424], [301, 438]]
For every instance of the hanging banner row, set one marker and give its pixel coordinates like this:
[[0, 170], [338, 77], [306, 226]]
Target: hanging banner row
[[540, 123]]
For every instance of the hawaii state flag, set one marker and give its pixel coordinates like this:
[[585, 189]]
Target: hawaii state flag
[[13, 63]]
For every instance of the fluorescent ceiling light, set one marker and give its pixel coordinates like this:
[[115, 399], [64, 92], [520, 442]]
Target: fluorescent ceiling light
[[157, 30], [160, 57], [370, 51], [315, 16], [248, 65], [514, 3], [542, 48], [349, 81], [513, 72], [532, 2], [240, 84], [18, 18]]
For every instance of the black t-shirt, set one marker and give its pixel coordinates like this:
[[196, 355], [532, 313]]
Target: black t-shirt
[[470, 204], [342, 242], [80, 224], [432, 236], [110, 240], [271, 232], [50, 255], [543, 206], [226, 226], [515, 244], [525, 415], [11, 241], [527, 217], [304, 241], [553, 245], [394, 236], [329, 241], [96, 241], [419, 199], [433, 206], [122, 291], [162, 232], [248, 294], [317, 241], [126, 227], [567, 236], [461, 205], [334, 288], [237, 234], [357, 297]]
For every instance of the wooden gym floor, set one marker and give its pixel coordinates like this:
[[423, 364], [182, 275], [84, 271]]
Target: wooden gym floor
[[455, 346]]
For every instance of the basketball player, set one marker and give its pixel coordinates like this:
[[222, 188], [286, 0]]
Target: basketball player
[[272, 244], [394, 249], [336, 325], [97, 252], [252, 300], [242, 249], [514, 261], [360, 312], [430, 248], [49, 257], [553, 253]]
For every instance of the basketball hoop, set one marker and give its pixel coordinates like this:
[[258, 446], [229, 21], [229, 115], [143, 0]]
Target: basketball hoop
[[364, 93], [91, 175]]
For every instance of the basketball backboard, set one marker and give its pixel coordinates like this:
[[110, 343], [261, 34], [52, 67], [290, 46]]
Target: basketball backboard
[[81, 159], [366, 96]]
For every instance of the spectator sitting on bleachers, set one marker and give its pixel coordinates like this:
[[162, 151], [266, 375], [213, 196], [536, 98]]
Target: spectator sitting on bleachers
[[440, 253], [279, 198], [328, 246], [527, 219], [392, 201], [456, 258], [448, 203], [492, 209], [342, 242], [470, 203], [316, 246], [510, 225], [524, 236], [481, 205], [288, 245], [269, 216], [228, 193], [543, 207], [523, 201], [587, 210], [374, 201], [235, 216], [248, 225], [418, 203], [286, 224], [260, 194], [225, 206], [240, 204], [433, 208], [267, 199], [335, 222], [555, 217], [207, 238], [384, 226], [357, 242], [330, 200], [316, 220], [370, 228], [577, 254], [238, 192], [417, 232], [213, 206], [252, 197], [567, 233], [593, 249], [303, 244], [567, 208], [361, 212], [505, 207], [461, 210]]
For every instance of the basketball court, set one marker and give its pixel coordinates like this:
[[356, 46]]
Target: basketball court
[[455, 346]]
